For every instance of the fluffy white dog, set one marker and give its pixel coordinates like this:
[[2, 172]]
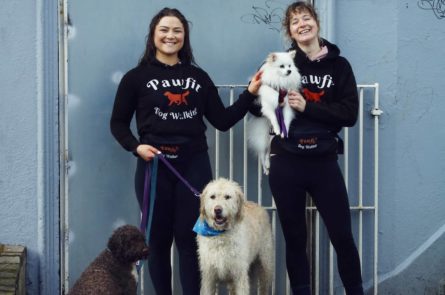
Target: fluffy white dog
[[279, 76], [244, 242]]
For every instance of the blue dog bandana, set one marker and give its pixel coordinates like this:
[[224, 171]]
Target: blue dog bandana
[[202, 228]]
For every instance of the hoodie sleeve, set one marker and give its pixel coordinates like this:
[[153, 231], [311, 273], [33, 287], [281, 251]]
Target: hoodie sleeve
[[342, 111], [221, 117], [123, 110]]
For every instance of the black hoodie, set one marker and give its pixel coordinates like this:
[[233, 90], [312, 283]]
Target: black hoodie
[[329, 87], [171, 101]]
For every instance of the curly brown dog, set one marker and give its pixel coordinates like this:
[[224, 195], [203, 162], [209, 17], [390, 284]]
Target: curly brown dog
[[111, 272]]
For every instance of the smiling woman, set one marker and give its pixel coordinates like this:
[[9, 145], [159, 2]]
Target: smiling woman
[[170, 96], [169, 39], [326, 103]]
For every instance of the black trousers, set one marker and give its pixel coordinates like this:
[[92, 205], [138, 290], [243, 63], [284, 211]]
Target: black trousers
[[290, 178], [176, 210]]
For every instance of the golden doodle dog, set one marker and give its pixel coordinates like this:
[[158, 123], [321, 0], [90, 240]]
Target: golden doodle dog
[[240, 242]]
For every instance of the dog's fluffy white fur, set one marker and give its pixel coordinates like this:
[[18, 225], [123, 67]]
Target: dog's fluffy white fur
[[279, 73], [245, 245]]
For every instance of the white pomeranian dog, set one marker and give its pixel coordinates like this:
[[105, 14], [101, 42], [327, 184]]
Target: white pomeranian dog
[[279, 76]]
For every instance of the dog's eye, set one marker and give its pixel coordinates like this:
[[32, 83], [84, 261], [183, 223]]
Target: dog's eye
[[212, 197], [227, 197], [282, 66]]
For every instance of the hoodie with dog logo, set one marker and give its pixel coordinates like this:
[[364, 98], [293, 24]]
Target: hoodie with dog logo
[[171, 102], [329, 87], [330, 90]]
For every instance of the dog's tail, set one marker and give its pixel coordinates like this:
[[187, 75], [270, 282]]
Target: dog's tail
[[258, 134]]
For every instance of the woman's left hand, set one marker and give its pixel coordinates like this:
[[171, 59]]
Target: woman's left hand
[[296, 100]]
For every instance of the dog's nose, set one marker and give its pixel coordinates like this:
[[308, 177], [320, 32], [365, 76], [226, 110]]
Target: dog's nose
[[289, 71], [218, 210]]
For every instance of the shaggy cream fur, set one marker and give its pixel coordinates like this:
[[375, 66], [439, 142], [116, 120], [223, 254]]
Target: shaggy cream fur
[[245, 245]]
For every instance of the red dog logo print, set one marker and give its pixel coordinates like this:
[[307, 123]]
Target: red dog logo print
[[312, 96], [176, 98]]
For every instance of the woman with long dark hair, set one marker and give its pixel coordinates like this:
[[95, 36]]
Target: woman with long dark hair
[[170, 97]]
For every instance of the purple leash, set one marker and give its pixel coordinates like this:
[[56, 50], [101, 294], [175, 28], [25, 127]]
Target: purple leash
[[150, 189], [164, 160], [144, 220], [280, 117], [151, 171], [279, 111]]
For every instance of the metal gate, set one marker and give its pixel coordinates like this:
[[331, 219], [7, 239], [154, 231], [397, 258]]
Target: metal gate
[[360, 169]]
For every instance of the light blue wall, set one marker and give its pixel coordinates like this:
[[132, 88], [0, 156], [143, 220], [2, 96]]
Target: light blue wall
[[394, 43], [401, 46], [29, 137], [18, 131]]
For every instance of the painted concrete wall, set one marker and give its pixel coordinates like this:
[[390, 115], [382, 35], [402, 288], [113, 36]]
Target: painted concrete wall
[[400, 45], [18, 131], [395, 43]]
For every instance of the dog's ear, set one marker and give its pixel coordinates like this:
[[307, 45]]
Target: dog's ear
[[240, 199], [202, 211], [116, 241], [271, 57], [292, 53]]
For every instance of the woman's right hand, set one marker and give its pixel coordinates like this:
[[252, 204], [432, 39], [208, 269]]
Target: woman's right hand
[[147, 152], [255, 83]]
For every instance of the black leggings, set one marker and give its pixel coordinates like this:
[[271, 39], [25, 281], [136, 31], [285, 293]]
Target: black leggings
[[176, 210], [290, 178]]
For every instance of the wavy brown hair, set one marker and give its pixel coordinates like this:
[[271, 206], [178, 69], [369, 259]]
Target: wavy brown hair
[[185, 54], [299, 7]]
